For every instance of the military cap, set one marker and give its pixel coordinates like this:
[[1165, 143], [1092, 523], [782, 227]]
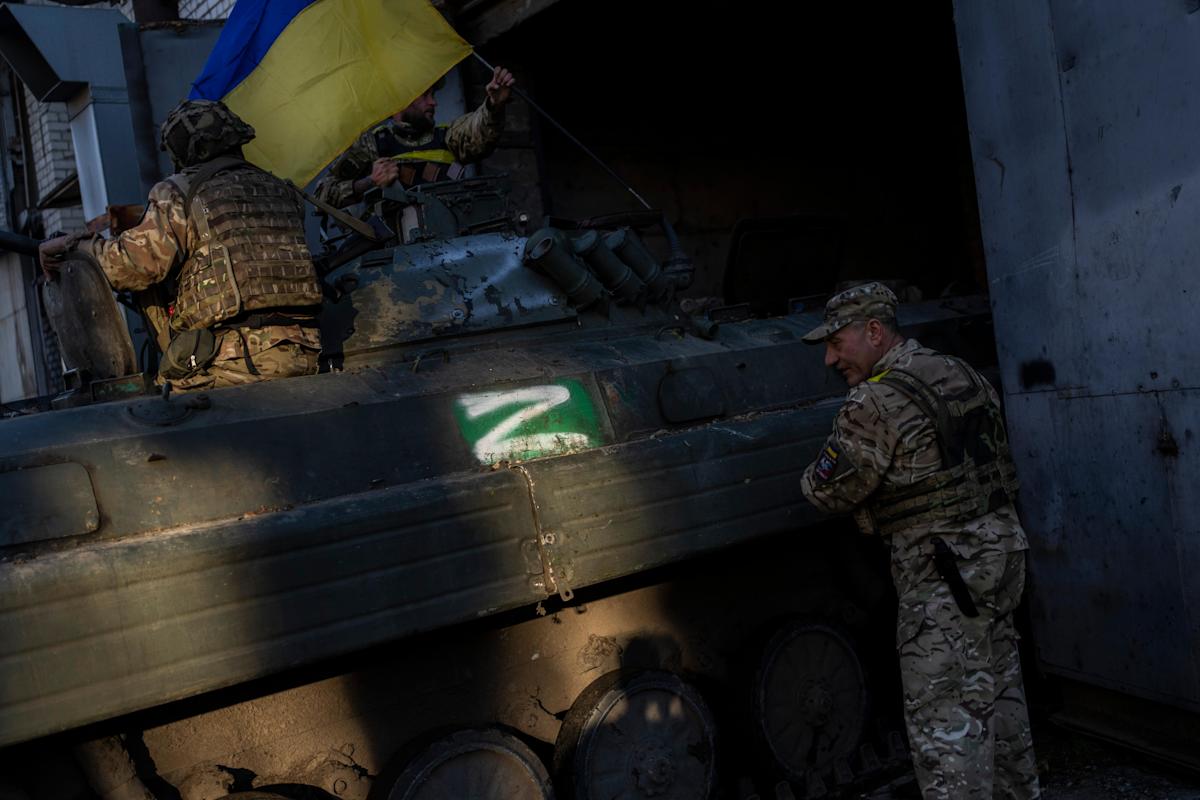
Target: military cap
[[856, 304]]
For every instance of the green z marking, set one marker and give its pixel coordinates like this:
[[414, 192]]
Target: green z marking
[[528, 422]]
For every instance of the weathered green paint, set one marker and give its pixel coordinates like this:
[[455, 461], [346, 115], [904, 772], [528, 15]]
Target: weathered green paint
[[528, 421]]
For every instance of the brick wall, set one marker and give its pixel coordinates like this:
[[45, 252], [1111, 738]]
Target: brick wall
[[53, 158]]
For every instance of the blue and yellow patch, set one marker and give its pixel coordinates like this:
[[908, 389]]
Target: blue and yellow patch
[[827, 462]]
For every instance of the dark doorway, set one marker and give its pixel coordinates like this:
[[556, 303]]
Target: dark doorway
[[723, 112]]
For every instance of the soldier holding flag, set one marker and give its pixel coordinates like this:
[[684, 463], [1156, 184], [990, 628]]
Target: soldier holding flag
[[409, 148]]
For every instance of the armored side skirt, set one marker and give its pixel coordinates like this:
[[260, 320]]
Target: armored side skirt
[[112, 627]]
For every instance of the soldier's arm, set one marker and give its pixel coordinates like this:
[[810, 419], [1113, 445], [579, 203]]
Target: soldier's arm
[[144, 254], [474, 135], [350, 174], [853, 459]]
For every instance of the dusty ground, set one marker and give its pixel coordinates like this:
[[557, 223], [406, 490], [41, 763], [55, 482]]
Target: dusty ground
[[1075, 767]]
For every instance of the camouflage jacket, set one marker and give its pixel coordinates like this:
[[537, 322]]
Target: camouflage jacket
[[880, 440], [471, 137], [143, 257]]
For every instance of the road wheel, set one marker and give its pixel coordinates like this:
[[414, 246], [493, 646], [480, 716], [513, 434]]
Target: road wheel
[[809, 702], [483, 764], [636, 735]]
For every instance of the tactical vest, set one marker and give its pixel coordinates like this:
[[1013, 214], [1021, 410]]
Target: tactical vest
[[251, 252], [427, 162], [977, 475]]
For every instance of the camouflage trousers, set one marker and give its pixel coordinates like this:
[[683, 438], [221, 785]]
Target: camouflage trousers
[[964, 702], [283, 360]]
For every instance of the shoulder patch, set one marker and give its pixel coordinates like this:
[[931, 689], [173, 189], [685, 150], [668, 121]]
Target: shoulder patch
[[827, 462]]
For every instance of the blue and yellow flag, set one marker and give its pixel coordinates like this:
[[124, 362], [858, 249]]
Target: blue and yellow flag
[[311, 75]]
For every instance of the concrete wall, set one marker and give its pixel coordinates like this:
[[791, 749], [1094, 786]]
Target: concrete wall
[[1082, 128]]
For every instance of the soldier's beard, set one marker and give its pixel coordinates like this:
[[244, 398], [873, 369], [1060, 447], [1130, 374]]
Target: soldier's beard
[[416, 120]]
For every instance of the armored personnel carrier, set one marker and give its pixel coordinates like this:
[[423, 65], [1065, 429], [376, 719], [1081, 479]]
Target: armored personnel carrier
[[536, 532]]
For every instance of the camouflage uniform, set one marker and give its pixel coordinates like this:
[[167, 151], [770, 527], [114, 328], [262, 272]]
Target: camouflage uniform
[[142, 259], [439, 153], [964, 701]]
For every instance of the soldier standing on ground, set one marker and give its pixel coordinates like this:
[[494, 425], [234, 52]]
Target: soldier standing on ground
[[410, 149], [218, 262], [920, 454]]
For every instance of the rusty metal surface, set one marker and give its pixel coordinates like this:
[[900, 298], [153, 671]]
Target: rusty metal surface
[[1085, 168]]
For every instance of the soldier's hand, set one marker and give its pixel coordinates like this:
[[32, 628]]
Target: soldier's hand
[[384, 172], [51, 252], [499, 91]]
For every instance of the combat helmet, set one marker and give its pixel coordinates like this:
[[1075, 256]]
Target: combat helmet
[[199, 130]]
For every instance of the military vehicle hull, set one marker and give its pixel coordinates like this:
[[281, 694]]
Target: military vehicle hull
[[161, 549], [400, 531]]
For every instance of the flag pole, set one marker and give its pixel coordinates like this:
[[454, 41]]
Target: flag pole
[[568, 134]]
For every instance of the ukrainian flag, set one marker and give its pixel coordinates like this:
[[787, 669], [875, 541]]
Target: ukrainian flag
[[311, 75]]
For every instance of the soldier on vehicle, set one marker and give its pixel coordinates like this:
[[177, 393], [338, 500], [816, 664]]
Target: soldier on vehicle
[[219, 261], [919, 453], [410, 149]]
